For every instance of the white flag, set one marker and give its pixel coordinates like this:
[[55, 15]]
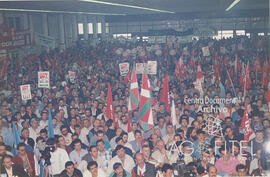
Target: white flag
[[173, 114]]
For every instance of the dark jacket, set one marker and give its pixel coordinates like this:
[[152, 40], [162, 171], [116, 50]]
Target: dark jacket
[[18, 161], [77, 173], [16, 170], [150, 170]]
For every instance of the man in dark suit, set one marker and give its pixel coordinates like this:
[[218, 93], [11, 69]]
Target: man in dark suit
[[143, 168], [11, 169]]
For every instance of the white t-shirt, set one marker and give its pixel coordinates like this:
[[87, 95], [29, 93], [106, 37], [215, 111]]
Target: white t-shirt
[[101, 173], [58, 160], [128, 164]]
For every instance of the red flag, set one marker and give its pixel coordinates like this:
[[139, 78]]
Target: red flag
[[217, 67], [81, 61], [18, 63], [127, 78], [133, 174], [228, 80], [257, 66], [47, 60], [4, 70], [117, 124], [248, 80], [202, 59], [166, 49], [267, 96], [142, 141], [92, 80], [265, 73], [99, 63], [110, 107], [165, 94], [242, 77], [192, 63], [245, 124], [55, 58], [129, 126], [226, 60], [177, 69], [236, 64], [199, 74]]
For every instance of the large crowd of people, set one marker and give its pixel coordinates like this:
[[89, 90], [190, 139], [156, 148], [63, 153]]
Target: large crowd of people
[[87, 143]]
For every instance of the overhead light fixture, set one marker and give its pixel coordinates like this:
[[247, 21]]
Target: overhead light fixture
[[55, 11], [126, 5], [233, 4]]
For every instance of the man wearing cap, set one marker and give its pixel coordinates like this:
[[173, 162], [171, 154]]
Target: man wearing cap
[[123, 158]]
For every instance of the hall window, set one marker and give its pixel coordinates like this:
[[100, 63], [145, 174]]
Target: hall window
[[80, 28], [99, 28], [90, 28]]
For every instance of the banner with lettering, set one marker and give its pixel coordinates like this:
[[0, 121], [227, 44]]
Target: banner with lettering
[[152, 67], [72, 76], [124, 68], [44, 79], [205, 51], [26, 92]]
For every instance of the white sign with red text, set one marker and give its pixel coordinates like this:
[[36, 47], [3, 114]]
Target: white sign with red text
[[44, 79], [124, 68], [26, 92]]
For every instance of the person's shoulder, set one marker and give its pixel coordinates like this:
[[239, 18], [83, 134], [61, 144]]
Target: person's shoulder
[[149, 165], [77, 171], [87, 173], [60, 150], [101, 172], [156, 153]]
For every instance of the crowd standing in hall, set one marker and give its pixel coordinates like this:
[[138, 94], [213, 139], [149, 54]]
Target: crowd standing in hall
[[87, 143]]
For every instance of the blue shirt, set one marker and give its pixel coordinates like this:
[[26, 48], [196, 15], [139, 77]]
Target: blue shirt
[[7, 136]]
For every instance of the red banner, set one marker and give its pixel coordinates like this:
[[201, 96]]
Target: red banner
[[11, 42]]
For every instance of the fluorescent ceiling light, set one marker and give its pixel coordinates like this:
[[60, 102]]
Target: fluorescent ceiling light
[[232, 5], [54, 11], [125, 5]]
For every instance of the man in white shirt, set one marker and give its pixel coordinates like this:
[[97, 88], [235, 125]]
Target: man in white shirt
[[34, 129], [82, 135], [63, 107], [93, 170], [44, 120], [123, 158], [131, 135], [66, 134], [58, 159], [161, 155], [77, 154]]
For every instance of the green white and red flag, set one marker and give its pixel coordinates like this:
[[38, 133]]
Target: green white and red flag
[[145, 109]]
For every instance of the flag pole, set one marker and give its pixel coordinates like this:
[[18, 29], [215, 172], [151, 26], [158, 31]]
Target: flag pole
[[231, 82], [245, 86]]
